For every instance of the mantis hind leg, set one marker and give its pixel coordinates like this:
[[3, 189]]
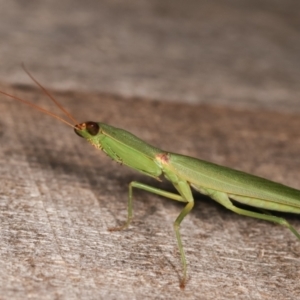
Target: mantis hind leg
[[224, 200]]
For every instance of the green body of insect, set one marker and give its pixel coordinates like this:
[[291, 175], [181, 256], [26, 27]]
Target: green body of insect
[[220, 183]]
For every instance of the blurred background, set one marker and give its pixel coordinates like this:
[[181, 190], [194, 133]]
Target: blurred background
[[242, 53]]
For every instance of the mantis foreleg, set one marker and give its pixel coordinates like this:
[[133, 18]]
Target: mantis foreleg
[[185, 189]]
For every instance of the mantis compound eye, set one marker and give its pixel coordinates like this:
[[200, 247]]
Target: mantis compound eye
[[92, 128]]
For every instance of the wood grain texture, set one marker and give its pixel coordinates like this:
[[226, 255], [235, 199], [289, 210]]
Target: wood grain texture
[[58, 196]]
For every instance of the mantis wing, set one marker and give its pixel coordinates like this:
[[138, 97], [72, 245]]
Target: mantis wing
[[238, 185]]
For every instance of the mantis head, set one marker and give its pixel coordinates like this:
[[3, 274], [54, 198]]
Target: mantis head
[[87, 130]]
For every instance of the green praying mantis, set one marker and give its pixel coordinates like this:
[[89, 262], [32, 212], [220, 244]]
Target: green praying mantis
[[220, 183]]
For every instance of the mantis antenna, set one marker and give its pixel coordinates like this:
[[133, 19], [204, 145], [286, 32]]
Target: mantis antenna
[[42, 109]]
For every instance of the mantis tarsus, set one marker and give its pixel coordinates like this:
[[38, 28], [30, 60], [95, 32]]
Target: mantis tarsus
[[220, 183]]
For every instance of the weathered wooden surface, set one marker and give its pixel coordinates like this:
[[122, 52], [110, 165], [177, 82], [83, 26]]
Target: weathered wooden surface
[[238, 52], [58, 196]]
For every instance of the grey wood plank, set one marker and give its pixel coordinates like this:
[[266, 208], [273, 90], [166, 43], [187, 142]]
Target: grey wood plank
[[232, 52], [58, 196]]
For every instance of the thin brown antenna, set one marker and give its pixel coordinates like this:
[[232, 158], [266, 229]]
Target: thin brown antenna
[[38, 108], [50, 96]]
